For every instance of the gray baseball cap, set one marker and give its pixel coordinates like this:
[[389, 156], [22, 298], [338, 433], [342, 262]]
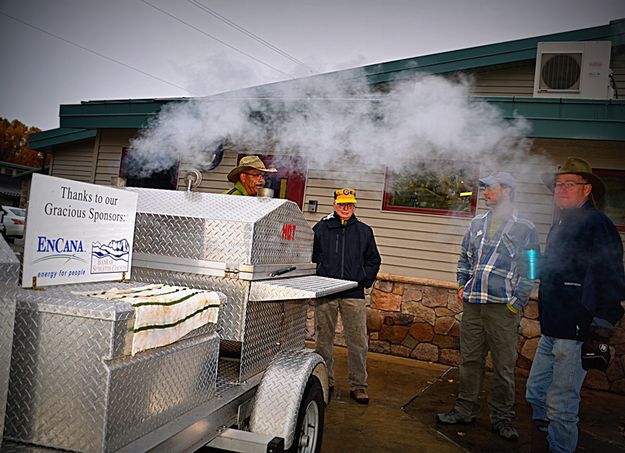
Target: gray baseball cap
[[499, 177]]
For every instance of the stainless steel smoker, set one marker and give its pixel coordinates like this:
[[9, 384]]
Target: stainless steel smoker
[[9, 273], [75, 386]]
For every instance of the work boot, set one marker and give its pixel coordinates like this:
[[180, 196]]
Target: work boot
[[454, 417], [360, 396], [538, 436], [505, 430]]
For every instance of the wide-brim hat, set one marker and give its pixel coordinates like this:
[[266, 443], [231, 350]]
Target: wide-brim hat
[[248, 163], [576, 166]]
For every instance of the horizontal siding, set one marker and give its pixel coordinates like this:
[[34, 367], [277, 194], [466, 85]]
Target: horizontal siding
[[426, 245], [74, 161], [109, 155], [513, 80], [518, 79]]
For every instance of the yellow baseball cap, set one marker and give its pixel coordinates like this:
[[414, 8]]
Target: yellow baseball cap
[[346, 195]]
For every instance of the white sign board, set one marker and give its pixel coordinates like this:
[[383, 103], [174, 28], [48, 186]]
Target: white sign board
[[77, 232]]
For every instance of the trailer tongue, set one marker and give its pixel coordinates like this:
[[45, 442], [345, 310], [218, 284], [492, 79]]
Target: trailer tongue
[[78, 382]]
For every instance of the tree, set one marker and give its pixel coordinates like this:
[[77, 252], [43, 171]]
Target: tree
[[14, 144]]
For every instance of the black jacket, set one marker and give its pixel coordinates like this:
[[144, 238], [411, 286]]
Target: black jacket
[[581, 274], [346, 251]]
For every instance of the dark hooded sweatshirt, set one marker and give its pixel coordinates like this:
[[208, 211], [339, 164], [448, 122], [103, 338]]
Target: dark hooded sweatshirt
[[346, 251], [582, 275]]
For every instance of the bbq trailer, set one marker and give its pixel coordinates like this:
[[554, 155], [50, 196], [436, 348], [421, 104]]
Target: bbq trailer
[[102, 366]]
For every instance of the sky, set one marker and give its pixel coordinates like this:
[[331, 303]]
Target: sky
[[65, 51]]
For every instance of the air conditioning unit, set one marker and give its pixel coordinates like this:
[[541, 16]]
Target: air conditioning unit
[[573, 70]]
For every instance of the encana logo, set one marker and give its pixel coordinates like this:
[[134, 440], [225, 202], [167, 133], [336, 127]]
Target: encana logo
[[59, 248], [59, 245]]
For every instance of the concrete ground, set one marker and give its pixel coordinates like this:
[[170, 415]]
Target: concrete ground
[[406, 394], [382, 425]]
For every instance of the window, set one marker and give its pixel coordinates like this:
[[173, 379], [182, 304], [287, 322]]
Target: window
[[165, 179], [613, 203], [433, 187]]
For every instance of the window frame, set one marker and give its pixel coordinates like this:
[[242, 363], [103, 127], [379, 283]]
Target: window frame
[[431, 211], [610, 172]]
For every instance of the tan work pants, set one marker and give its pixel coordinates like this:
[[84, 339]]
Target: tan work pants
[[354, 316]]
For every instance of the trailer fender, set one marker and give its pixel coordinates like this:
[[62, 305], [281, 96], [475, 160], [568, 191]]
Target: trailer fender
[[281, 390]]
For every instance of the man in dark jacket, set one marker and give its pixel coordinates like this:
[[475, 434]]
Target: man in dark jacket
[[581, 289], [344, 247]]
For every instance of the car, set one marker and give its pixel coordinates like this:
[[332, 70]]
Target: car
[[13, 220]]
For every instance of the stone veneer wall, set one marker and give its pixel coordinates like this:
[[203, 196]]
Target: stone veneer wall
[[420, 319]]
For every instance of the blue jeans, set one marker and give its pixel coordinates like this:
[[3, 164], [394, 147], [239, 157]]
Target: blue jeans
[[553, 388]]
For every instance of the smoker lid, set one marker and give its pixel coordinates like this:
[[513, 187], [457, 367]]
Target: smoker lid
[[308, 287], [205, 205]]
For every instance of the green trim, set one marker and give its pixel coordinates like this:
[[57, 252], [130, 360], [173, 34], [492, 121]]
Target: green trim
[[125, 114], [165, 304], [488, 55], [175, 323], [46, 140]]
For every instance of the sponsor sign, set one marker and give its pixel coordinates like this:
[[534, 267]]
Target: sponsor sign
[[77, 232]]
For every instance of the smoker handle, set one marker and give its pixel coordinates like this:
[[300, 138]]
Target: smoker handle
[[282, 271]]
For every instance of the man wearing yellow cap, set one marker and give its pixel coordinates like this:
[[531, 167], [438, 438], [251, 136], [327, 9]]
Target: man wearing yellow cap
[[344, 247], [248, 176]]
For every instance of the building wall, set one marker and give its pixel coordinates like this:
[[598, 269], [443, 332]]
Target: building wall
[[509, 80], [74, 161], [108, 153], [517, 79], [425, 245]]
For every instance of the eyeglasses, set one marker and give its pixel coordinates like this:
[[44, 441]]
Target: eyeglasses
[[255, 175], [568, 185], [345, 205]]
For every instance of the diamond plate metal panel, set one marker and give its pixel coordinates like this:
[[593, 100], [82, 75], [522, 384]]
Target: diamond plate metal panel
[[9, 446], [280, 393], [154, 388], [58, 380], [263, 328], [273, 245], [63, 395], [231, 312], [193, 238], [270, 327], [307, 287], [294, 325], [221, 228], [60, 300], [9, 274]]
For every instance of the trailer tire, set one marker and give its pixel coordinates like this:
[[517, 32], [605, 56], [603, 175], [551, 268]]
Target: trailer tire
[[310, 417]]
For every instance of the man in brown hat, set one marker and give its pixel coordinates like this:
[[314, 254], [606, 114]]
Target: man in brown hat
[[248, 176], [582, 284]]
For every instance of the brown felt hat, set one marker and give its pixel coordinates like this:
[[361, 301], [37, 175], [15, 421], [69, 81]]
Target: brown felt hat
[[576, 166], [248, 163]]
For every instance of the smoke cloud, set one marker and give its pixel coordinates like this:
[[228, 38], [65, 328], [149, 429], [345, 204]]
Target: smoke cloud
[[329, 119]]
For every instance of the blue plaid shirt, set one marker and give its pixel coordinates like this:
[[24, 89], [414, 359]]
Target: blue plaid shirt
[[492, 269]]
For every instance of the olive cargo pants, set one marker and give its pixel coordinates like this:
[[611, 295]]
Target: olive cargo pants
[[487, 327]]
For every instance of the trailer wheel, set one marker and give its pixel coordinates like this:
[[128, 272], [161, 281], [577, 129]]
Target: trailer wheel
[[309, 428]]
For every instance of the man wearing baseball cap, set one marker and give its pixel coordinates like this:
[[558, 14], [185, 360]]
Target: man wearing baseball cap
[[248, 176], [344, 247], [494, 287], [582, 284]]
